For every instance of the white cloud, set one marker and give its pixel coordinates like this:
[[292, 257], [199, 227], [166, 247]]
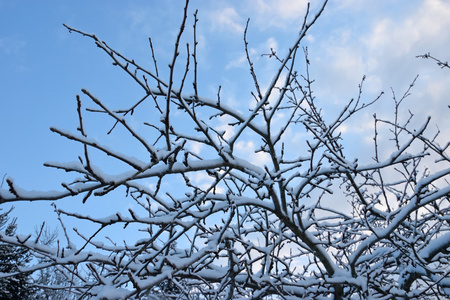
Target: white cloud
[[255, 53], [437, 89], [204, 181], [239, 62], [278, 13], [229, 130], [383, 46], [246, 150], [226, 19], [393, 46], [347, 63], [422, 30], [271, 43], [196, 147]]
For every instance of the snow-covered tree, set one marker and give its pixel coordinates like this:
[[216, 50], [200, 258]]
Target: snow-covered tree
[[13, 283], [299, 218], [50, 283]]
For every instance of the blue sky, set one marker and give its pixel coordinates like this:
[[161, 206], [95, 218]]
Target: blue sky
[[43, 66]]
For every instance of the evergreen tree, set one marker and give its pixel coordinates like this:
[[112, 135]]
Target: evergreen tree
[[11, 258]]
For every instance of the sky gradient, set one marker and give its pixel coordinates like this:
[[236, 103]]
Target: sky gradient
[[44, 66]]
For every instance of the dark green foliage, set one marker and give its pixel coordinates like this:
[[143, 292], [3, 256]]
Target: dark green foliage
[[11, 258]]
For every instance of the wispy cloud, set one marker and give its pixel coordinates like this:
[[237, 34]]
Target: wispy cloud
[[226, 19], [11, 45], [277, 13]]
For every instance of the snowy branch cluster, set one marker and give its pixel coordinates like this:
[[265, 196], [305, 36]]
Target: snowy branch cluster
[[307, 221]]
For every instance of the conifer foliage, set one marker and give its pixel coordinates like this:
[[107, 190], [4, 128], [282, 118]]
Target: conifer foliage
[[18, 285]]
